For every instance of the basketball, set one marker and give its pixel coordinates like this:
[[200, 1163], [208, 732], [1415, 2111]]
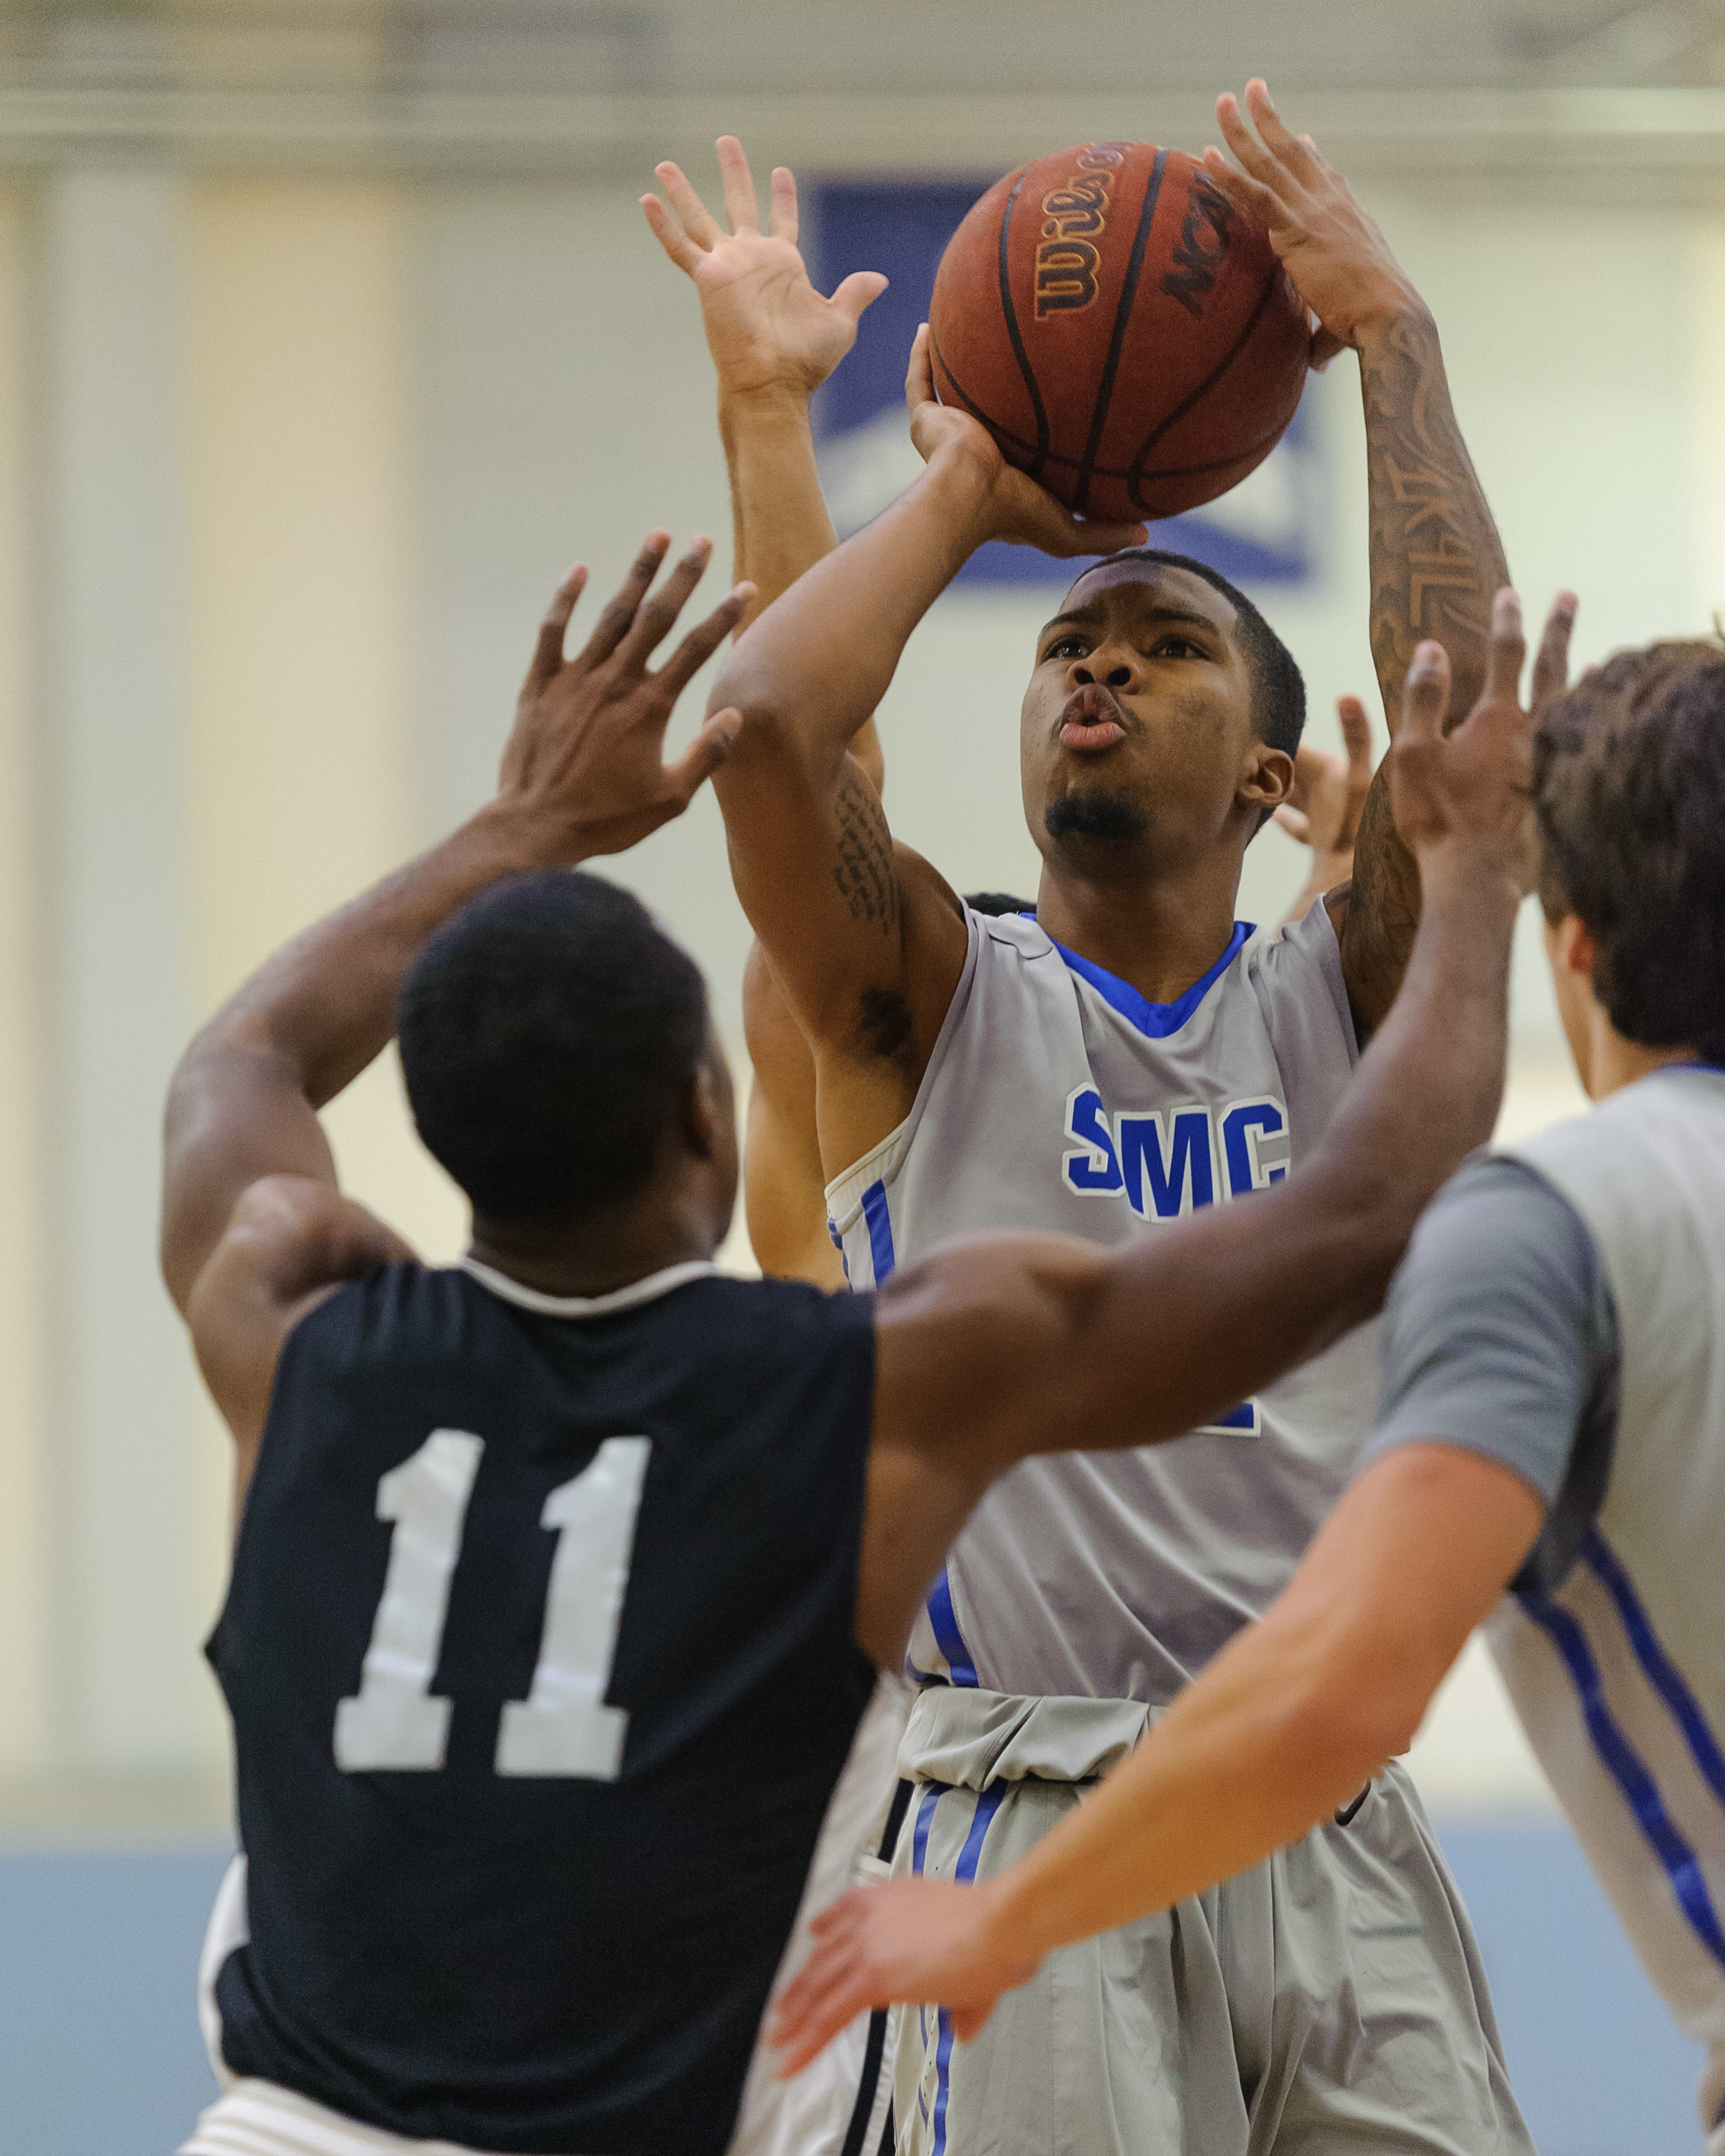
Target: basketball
[[1127, 336]]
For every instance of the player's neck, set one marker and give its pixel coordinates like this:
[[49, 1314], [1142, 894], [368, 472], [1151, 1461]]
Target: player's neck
[[1613, 1062], [607, 1250], [1160, 934]]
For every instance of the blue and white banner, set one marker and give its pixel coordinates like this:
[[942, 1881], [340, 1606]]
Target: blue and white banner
[[1262, 532]]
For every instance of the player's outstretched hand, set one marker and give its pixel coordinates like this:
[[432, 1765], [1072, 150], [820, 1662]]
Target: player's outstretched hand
[[925, 1942], [1475, 784], [770, 332], [586, 754], [1328, 797], [1016, 508], [1340, 262]]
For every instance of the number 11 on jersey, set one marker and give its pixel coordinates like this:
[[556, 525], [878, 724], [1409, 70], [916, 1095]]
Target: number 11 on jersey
[[563, 1726]]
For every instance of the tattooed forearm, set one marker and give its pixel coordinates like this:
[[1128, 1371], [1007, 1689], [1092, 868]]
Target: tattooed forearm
[[1436, 559], [1436, 562], [864, 867]]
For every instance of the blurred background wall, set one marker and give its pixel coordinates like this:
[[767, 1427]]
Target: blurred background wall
[[330, 333]]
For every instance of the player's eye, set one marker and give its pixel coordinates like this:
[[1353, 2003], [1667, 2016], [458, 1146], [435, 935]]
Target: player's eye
[[1067, 647], [1177, 647]]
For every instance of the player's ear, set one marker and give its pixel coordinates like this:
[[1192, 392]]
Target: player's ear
[[1572, 946], [1269, 779], [707, 1109]]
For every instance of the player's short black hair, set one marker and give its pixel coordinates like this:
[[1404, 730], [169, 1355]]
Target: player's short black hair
[[1628, 785], [547, 1030], [1278, 685]]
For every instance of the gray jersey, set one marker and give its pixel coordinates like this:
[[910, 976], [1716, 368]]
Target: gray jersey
[[1057, 1098], [1616, 1667]]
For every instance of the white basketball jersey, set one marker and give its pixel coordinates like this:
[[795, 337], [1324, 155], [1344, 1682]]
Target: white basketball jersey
[[1057, 1098], [1618, 1674]]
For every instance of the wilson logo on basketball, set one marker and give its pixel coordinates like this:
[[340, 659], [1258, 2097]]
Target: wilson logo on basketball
[[1074, 217]]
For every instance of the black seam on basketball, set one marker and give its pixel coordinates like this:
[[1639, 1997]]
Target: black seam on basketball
[[1122, 317], [1013, 331], [1008, 439], [1135, 469]]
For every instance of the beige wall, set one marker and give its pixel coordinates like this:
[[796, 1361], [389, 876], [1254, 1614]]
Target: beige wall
[[24, 1545]]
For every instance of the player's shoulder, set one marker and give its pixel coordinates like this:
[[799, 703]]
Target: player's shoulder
[[1497, 1233]]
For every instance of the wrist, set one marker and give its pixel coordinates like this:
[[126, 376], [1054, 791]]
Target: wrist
[[1398, 313], [964, 473], [1464, 869], [771, 405], [513, 835]]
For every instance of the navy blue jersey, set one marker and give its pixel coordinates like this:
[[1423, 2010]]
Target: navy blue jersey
[[540, 1652]]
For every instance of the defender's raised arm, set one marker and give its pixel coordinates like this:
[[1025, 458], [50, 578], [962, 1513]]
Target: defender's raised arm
[[254, 1227]]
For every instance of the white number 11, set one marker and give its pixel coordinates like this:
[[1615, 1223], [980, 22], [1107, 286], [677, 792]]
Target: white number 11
[[563, 1726]]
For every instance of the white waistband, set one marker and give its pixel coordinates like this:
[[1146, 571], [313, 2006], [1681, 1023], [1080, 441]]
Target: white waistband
[[258, 2118]]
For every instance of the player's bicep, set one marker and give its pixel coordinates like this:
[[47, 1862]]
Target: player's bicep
[[290, 1241], [864, 940]]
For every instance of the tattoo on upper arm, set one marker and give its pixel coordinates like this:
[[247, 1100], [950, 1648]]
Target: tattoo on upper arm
[[864, 871], [1436, 559]]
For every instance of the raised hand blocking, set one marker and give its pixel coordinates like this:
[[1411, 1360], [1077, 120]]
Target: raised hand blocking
[[586, 752], [768, 328], [1474, 785]]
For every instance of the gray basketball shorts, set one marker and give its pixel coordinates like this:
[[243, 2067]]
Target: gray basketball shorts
[[1331, 1998]]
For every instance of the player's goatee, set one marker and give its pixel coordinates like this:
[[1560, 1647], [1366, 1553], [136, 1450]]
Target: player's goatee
[[1094, 812]]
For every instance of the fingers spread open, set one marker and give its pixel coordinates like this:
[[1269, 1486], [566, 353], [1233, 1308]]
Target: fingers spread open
[[859, 291], [613, 624], [1248, 196], [1507, 651], [701, 642], [740, 204], [1551, 663], [702, 227], [1289, 152], [548, 649], [1356, 737], [671, 235], [1254, 158], [782, 219], [655, 616], [1425, 695]]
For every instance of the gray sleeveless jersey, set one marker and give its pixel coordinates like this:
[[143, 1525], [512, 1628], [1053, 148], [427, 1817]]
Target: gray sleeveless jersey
[[1619, 1671], [1058, 1098]]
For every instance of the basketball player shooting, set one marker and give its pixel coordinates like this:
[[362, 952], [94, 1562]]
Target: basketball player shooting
[[1130, 1056], [1554, 1424], [773, 339], [561, 1578]]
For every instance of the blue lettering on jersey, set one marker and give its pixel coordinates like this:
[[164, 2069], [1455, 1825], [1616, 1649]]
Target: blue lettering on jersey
[[1094, 1170], [1166, 1172], [1165, 1162], [1244, 1126]]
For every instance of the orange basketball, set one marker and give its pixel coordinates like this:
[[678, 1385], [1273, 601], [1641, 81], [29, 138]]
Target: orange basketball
[[1125, 333]]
